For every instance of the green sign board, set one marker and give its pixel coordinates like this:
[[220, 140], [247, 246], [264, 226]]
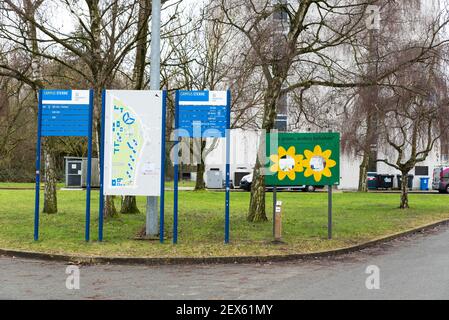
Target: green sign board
[[303, 159]]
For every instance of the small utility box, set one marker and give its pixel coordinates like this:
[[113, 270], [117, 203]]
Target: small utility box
[[76, 172], [214, 178]]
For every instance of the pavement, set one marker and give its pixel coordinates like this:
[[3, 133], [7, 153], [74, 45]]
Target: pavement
[[414, 267]]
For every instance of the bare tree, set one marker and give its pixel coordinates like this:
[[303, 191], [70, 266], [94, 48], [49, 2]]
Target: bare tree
[[34, 78], [129, 204], [206, 55], [380, 53], [106, 34], [411, 123], [303, 59]]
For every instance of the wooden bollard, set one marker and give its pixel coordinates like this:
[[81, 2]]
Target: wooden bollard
[[278, 222]]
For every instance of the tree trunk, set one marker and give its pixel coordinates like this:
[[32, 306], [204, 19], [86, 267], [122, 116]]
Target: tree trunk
[[257, 202], [200, 167], [109, 210], [363, 173], [109, 207], [404, 191], [200, 184], [129, 205], [370, 96], [169, 166], [50, 200], [100, 82]]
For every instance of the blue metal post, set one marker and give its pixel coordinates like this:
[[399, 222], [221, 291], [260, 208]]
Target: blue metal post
[[38, 167], [176, 169], [228, 157], [162, 202], [89, 165], [100, 214]]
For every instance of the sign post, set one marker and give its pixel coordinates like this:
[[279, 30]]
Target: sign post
[[38, 168], [329, 212], [155, 84], [134, 127], [176, 171], [64, 113], [101, 206], [304, 159], [202, 114], [228, 164], [89, 165]]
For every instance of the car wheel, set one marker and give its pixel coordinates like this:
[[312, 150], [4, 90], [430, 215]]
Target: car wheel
[[310, 188]]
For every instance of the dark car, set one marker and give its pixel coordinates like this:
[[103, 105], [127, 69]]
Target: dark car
[[247, 180]]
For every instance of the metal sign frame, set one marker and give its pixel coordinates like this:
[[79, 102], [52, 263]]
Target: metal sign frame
[[62, 131], [102, 162], [219, 129]]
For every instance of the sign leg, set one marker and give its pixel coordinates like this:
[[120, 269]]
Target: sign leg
[[89, 165], [274, 206], [162, 203], [101, 207], [38, 168], [228, 164], [175, 200], [329, 212]]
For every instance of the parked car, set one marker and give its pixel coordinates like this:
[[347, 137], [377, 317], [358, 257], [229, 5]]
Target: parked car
[[440, 180], [247, 180]]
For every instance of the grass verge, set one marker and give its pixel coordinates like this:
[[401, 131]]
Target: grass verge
[[358, 218]]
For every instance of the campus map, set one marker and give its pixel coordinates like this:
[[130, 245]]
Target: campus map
[[127, 139]]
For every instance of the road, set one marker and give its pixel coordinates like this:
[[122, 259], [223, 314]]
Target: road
[[416, 267]]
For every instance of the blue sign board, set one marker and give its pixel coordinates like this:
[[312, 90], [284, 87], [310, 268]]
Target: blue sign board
[[65, 113], [202, 114]]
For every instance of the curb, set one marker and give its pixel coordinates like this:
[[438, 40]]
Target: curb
[[214, 260]]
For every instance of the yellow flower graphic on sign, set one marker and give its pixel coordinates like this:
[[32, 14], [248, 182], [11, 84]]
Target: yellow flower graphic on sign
[[318, 163], [287, 163]]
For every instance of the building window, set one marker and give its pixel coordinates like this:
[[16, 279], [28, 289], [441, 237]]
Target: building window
[[421, 171]]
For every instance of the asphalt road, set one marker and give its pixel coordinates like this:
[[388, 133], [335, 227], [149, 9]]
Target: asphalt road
[[416, 267]]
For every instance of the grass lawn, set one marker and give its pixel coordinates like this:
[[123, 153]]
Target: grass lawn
[[357, 217], [14, 185], [25, 185]]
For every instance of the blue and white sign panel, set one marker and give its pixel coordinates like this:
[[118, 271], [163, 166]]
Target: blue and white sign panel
[[65, 113], [202, 114]]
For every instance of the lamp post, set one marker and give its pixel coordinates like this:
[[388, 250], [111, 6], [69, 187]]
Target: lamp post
[[152, 221]]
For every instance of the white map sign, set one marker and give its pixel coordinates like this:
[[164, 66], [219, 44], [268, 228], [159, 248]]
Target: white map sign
[[133, 136]]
